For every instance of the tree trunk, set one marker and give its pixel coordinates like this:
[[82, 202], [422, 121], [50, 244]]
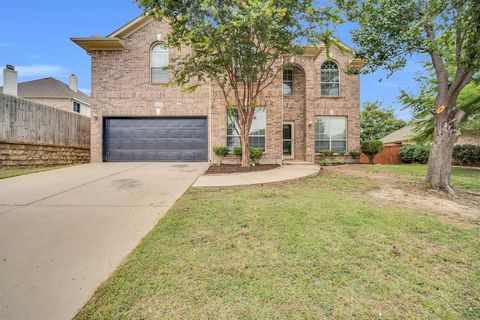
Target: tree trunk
[[440, 160], [245, 150]]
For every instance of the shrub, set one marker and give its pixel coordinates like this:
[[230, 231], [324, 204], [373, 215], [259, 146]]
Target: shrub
[[355, 154], [238, 151], [326, 153], [256, 154], [371, 148], [466, 155], [220, 152], [325, 163], [413, 153]]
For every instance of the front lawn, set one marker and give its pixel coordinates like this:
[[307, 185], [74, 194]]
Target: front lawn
[[462, 178], [313, 249], [8, 173]]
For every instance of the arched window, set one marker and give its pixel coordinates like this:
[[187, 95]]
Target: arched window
[[158, 61], [330, 79]]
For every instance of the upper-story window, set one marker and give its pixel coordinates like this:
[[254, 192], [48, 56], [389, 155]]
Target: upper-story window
[[330, 79], [158, 61], [76, 107], [287, 81]]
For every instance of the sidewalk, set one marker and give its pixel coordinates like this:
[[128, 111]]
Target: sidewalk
[[284, 173]]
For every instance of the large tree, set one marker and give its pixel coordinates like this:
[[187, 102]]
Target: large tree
[[391, 30], [240, 46], [376, 122]]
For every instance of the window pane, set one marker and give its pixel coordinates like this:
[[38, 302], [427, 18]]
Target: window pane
[[330, 134], [158, 61], [233, 142], [339, 146], [159, 57], [337, 128], [288, 75], [257, 131], [330, 89], [259, 121], [330, 79], [287, 88], [321, 145], [159, 75], [322, 129], [257, 142]]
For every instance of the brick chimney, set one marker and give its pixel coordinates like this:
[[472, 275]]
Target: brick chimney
[[10, 80], [73, 82]]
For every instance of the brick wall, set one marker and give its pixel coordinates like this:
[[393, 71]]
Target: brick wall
[[16, 155], [121, 87]]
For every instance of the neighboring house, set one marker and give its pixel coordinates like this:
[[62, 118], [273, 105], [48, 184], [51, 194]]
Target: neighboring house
[[405, 136], [48, 91], [136, 116]]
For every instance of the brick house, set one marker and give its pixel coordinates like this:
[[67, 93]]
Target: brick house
[[137, 116]]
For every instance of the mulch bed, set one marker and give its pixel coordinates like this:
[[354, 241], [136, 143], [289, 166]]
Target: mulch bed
[[236, 168]]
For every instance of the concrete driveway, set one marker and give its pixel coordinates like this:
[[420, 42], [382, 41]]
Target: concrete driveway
[[63, 232]]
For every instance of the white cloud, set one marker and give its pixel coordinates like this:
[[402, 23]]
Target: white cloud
[[40, 70]]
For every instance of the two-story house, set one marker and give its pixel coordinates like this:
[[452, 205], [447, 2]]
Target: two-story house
[[138, 116]]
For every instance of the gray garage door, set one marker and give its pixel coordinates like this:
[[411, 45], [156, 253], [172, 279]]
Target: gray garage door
[[155, 139]]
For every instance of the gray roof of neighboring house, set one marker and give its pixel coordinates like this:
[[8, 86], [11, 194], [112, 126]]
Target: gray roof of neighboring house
[[402, 134], [49, 88]]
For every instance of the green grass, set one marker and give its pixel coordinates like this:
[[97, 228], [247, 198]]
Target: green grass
[[304, 250], [9, 173], [462, 178]]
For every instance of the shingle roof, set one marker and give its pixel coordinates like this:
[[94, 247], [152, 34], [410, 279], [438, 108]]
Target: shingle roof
[[48, 88], [402, 134]]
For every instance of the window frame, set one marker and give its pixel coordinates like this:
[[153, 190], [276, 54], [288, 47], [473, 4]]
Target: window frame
[[152, 67], [230, 150], [329, 82], [290, 81], [330, 140]]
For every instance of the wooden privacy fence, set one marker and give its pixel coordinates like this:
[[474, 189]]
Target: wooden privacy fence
[[23, 121], [389, 155]]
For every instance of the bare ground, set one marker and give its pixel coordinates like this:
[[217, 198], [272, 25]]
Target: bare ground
[[464, 209]]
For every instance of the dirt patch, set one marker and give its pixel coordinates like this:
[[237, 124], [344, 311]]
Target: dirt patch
[[234, 168], [462, 210], [448, 210]]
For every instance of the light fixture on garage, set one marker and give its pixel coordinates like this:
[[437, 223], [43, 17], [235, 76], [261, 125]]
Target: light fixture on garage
[[158, 107]]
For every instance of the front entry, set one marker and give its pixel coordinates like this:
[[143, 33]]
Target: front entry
[[288, 140]]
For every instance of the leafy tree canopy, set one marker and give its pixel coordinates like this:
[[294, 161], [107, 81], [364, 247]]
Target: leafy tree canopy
[[421, 102], [377, 122]]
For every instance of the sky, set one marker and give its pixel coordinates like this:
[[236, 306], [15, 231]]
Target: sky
[[35, 38]]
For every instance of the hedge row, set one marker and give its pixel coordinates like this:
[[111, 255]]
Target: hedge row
[[466, 155], [413, 153]]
